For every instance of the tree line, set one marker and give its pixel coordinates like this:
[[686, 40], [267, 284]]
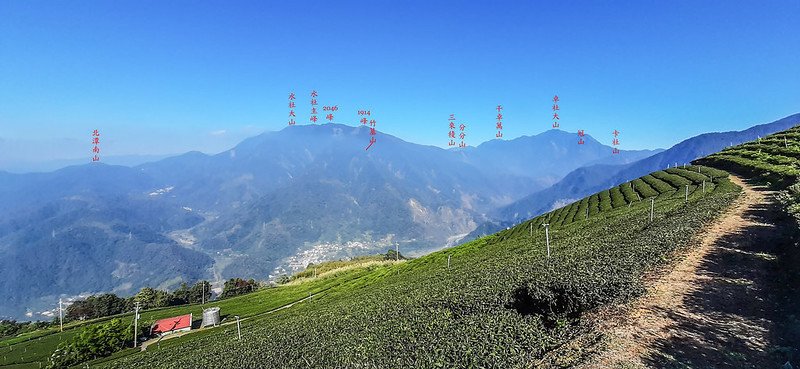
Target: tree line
[[107, 304]]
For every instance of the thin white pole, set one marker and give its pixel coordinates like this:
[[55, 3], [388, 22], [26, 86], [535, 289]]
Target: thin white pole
[[238, 327], [135, 323], [652, 207], [397, 252], [203, 299], [687, 193], [448, 261], [60, 315], [704, 186], [547, 237]]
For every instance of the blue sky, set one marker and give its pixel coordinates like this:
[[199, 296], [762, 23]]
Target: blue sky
[[161, 78]]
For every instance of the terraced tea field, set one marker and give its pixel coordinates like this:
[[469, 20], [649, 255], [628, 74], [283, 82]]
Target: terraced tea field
[[500, 303], [774, 158]]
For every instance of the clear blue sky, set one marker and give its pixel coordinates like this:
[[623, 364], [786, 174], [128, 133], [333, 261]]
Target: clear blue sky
[[164, 78]]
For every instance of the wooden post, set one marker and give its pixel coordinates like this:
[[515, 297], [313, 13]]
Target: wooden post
[[652, 207]]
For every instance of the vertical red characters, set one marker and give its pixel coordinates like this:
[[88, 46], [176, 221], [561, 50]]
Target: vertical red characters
[[555, 112], [96, 143], [615, 142], [452, 134], [580, 137], [291, 109], [462, 135], [313, 106], [372, 133], [330, 110], [499, 124]]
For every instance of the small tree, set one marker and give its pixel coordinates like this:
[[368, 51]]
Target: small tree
[[238, 286], [146, 297], [393, 255], [94, 341], [92, 307]]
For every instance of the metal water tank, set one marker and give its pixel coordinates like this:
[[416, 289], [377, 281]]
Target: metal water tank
[[210, 317]]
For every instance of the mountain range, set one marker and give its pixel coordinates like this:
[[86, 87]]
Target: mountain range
[[280, 200]]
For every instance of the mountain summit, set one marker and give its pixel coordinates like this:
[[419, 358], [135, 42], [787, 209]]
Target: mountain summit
[[271, 204]]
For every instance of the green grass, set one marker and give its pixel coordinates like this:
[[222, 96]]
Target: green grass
[[36, 349], [327, 266]]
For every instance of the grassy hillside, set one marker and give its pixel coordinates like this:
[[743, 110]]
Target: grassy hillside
[[774, 158], [33, 349], [500, 303]]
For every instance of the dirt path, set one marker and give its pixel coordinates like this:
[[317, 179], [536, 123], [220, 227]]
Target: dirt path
[[715, 307]]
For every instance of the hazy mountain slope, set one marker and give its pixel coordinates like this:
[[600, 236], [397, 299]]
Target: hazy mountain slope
[[548, 156], [280, 199], [92, 244], [587, 180]]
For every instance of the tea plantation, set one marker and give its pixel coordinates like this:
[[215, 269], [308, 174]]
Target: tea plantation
[[774, 158], [501, 302], [496, 302]]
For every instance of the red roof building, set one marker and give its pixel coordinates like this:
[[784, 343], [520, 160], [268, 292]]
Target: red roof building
[[171, 325]]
